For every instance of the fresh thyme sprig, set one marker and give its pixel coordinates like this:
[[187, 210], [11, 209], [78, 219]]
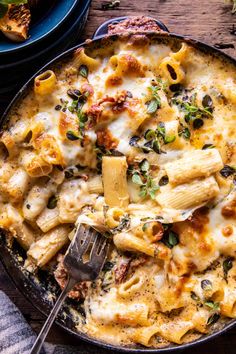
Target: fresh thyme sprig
[[154, 101], [193, 114], [142, 177]]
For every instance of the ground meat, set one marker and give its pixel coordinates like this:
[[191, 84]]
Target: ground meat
[[136, 262], [134, 24], [79, 291], [127, 264], [121, 269]]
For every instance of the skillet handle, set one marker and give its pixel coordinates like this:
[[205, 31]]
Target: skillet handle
[[103, 28]]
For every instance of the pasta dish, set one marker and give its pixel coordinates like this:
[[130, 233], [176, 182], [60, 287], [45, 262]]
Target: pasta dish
[[137, 139]]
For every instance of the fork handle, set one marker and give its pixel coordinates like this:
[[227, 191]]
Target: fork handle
[[47, 325]]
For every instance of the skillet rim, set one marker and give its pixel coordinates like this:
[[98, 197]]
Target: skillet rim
[[203, 47]]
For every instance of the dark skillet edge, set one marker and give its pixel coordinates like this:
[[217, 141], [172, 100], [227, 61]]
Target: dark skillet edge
[[8, 261]]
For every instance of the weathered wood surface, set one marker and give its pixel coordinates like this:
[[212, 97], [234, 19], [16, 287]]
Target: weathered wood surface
[[210, 21]]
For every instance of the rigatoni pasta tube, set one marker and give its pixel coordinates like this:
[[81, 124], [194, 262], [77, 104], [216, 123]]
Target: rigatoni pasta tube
[[175, 331], [188, 195], [13, 221], [45, 83], [131, 286], [114, 181], [48, 219], [37, 199], [145, 335], [228, 305], [95, 185], [42, 251], [198, 163], [81, 58], [25, 235], [35, 165], [129, 242], [18, 184]]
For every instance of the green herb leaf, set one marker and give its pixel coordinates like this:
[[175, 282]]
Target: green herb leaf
[[161, 130], [144, 165], [152, 106], [171, 239], [185, 132], [206, 284], [227, 171], [152, 193], [137, 179], [108, 266], [169, 139], [213, 319], [15, 2], [227, 265], [145, 226], [213, 305], [124, 224], [3, 10], [208, 146], [163, 181], [52, 202], [71, 135], [194, 296], [150, 134], [143, 192], [157, 146], [207, 102], [198, 123], [83, 71]]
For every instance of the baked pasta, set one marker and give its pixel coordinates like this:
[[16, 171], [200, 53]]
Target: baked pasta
[[137, 139]]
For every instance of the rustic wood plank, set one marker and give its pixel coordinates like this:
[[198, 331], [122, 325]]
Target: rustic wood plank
[[210, 21]]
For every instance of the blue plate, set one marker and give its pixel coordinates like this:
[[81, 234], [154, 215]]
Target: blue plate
[[52, 20], [13, 77]]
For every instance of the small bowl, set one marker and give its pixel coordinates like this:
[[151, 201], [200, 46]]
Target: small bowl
[[44, 26]]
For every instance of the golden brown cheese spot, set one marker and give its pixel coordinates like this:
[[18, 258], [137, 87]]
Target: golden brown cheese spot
[[128, 64], [229, 210], [227, 230], [106, 139], [66, 123], [114, 80], [199, 219], [162, 251], [49, 150], [180, 285]]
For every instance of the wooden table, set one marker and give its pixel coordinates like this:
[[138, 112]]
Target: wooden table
[[210, 21]]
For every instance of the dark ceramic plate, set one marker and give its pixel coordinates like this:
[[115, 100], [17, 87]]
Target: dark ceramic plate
[[14, 74], [42, 291], [43, 24]]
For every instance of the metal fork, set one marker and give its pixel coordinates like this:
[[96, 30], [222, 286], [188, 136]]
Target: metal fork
[[86, 242]]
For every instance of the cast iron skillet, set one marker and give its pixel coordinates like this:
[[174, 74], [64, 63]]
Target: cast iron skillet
[[36, 290]]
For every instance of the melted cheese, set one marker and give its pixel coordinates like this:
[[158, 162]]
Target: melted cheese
[[169, 297]]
